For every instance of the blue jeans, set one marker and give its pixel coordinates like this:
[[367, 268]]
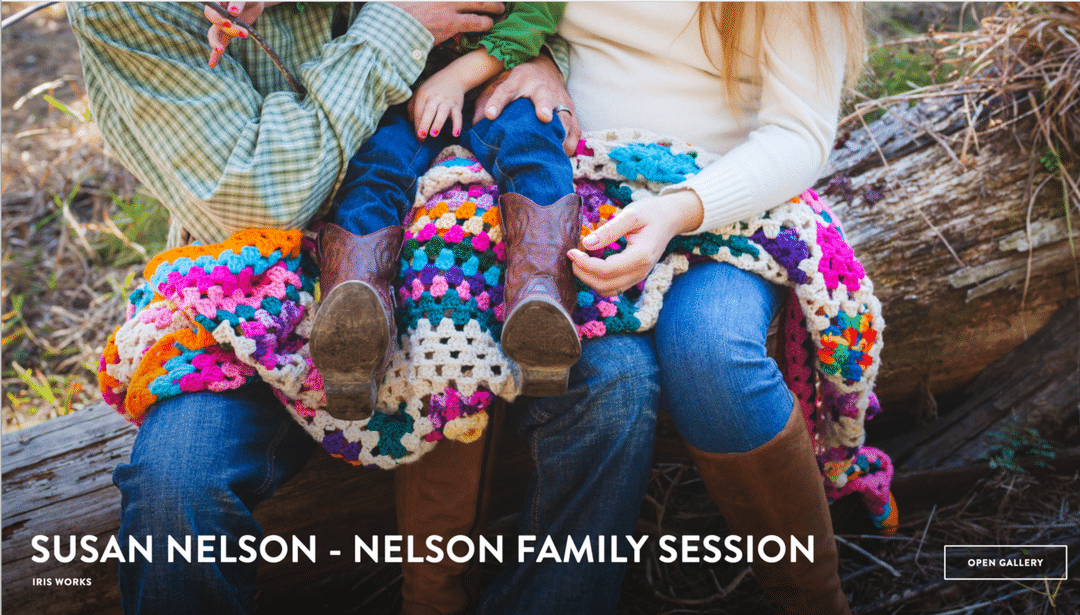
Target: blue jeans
[[705, 362], [592, 450], [202, 461], [199, 465], [523, 154], [724, 394]]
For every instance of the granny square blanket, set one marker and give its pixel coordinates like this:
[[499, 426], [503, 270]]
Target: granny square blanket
[[215, 317]]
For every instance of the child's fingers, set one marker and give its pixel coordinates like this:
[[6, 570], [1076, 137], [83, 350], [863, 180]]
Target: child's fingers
[[427, 117], [218, 40], [226, 26], [455, 116], [442, 111]]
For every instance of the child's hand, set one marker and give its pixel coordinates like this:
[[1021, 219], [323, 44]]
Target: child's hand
[[441, 96], [223, 30]]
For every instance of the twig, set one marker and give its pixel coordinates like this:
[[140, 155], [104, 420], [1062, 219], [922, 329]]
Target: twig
[[873, 558], [17, 17], [968, 609], [925, 529], [948, 246], [905, 596], [255, 36]]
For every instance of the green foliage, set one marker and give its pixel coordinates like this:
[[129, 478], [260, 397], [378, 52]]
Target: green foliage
[[1050, 161], [55, 391], [1014, 443], [142, 223], [56, 104]]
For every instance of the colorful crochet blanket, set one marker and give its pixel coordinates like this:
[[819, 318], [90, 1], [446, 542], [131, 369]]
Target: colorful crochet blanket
[[212, 318]]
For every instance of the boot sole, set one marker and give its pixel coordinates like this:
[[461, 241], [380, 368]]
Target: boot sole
[[349, 338], [540, 337]]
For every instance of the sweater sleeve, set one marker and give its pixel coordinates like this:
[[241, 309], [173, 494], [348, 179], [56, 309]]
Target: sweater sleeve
[[800, 104], [519, 37]]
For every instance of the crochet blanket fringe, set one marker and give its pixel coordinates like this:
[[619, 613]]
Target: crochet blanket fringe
[[213, 318]]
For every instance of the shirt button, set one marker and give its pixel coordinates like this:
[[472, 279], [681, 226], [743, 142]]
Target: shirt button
[[417, 55]]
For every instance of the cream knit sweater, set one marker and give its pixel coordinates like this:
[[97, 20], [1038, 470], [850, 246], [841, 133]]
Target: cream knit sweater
[[642, 65]]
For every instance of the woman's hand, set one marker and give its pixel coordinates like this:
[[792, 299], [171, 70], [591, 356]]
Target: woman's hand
[[648, 226], [440, 97], [222, 31], [540, 81]]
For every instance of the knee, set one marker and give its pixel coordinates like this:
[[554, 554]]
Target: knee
[[519, 118], [614, 388]]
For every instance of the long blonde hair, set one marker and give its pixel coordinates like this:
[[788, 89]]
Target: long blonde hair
[[726, 18]]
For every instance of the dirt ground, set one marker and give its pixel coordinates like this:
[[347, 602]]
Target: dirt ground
[[61, 291]]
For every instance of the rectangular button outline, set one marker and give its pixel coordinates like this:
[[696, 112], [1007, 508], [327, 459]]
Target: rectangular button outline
[[945, 561]]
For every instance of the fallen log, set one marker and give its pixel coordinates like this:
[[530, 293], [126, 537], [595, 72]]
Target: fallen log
[[1035, 386], [947, 244], [57, 481]]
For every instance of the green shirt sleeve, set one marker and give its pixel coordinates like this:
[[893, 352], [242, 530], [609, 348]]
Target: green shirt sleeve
[[519, 37], [234, 147]]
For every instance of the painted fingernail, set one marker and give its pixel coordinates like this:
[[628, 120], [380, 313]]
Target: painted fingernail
[[457, 133], [434, 133], [423, 133], [234, 10]]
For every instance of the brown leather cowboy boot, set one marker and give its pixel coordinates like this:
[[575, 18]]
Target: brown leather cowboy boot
[[444, 494], [777, 489], [538, 332], [353, 335]]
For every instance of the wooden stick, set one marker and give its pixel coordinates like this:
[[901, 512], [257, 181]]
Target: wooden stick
[[879, 562], [261, 43]]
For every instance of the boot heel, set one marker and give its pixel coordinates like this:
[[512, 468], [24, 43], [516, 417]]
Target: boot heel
[[542, 340], [542, 381], [348, 341]]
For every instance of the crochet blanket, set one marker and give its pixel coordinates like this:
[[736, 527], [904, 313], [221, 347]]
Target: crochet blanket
[[213, 318]]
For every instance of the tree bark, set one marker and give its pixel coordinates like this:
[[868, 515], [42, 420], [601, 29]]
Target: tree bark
[[947, 246]]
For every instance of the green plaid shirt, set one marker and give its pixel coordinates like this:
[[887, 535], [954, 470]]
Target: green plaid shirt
[[234, 147]]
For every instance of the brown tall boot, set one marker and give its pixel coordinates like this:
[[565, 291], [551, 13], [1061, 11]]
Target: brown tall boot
[[777, 489], [353, 335], [444, 494], [538, 332]]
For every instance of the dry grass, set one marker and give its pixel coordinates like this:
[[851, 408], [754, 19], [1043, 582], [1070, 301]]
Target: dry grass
[[63, 265], [1022, 63]]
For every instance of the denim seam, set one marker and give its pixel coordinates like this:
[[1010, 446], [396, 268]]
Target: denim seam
[[534, 517], [271, 458]]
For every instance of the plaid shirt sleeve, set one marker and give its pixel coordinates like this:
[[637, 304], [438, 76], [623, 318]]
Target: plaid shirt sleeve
[[234, 147]]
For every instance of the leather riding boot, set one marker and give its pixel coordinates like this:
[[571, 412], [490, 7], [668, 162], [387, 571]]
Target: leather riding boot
[[353, 335], [444, 494], [776, 489], [538, 332]]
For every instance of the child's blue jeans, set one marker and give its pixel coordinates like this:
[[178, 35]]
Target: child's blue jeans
[[523, 154]]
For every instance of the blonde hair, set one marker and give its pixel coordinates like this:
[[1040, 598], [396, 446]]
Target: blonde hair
[[727, 19]]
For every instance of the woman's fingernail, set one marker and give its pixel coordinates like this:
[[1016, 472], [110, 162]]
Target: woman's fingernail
[[434, 133], [492, 111], [457, 133], [234, 10]]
